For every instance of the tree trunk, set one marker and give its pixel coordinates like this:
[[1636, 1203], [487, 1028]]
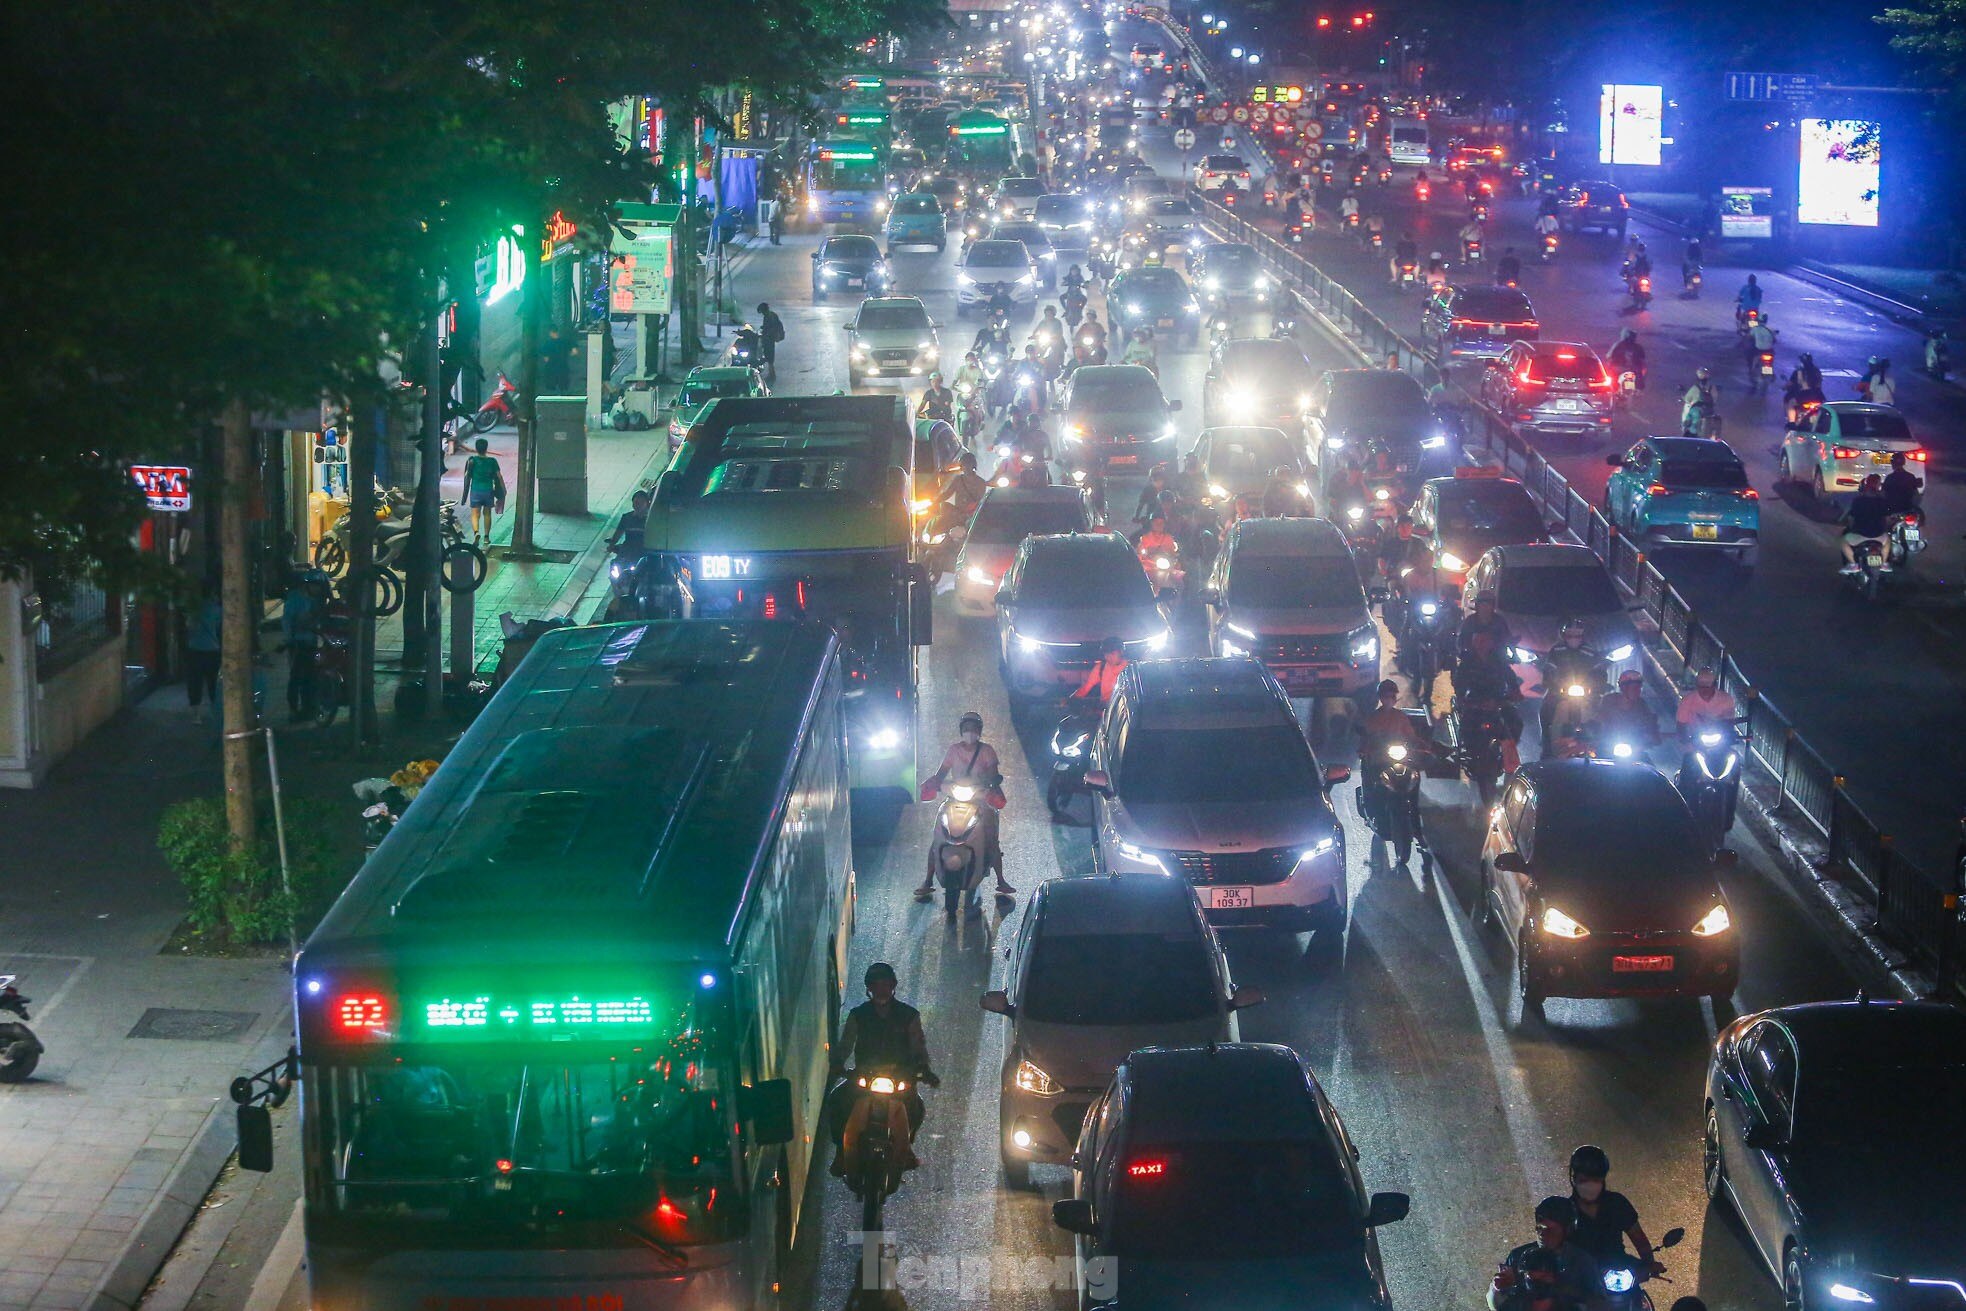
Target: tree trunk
[[429, 510], [236, 627], [538, 287], [363, 411]]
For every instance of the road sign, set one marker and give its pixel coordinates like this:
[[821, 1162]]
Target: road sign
[[1219, 114], [1260, 114], [1240, 113], [1772, 86], [1314, 129], [1184, 138], [1281, 113]]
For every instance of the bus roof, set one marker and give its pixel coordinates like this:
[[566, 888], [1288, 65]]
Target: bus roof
[[619, 794]]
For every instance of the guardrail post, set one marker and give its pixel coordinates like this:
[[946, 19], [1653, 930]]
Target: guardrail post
[[1835, 817], [1952, 924], [1782, 773]]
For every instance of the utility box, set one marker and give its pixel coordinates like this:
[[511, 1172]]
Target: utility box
[[562, 464]]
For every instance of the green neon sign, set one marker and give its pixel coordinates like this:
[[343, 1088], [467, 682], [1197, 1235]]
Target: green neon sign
[[532, 1016], [987, 130], [865, 156]]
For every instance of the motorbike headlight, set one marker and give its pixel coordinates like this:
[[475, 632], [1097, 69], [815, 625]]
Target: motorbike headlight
[[1522, 655], [884, 739], [1621, 653], [1213, 284], [1618, 1279], [1435, 443], [1429, 608], [614, 569], [1850, 1293], [1029, 645], [1262, 282], [979, 576], [1138, 855], [1303, 489], [880, 1083], [1621, 750], [1451, 562], [1217, 490], [1158, 642], [1242, 401], [1710, 739], [1029, 1078], [1074, 749], [1714, 921], [962, 792], [1396, 752], [1556, 923], [1355, 512], [1133, 307]]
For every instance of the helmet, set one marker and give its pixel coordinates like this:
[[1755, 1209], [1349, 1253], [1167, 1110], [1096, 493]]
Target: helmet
[[1628, 335], [935, 378], [1589, 1162], [1574, 625], [1560, 1209], [880, 969], [969, 717], [1704, 373]]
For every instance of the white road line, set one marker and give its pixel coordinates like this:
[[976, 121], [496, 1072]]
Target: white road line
[[270, 1285], [53, 999]]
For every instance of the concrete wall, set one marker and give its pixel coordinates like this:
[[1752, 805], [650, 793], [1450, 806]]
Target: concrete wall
[[40, 722]]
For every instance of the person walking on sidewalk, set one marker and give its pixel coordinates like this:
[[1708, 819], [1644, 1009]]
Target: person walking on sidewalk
[[771, 331], [201, 647], [300, 624], [484, 491]]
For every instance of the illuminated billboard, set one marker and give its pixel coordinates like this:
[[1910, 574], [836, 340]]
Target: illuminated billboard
[[1629, 122], [1838, 181]]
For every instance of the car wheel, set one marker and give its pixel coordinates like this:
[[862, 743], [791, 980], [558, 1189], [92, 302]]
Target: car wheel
[[1784, 472], [1793, 1296], [1712, 1173], [1818, 488], [1747, 559], [1526, 988]]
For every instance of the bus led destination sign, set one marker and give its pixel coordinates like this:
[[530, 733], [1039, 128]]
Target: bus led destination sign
[[542, 1017]]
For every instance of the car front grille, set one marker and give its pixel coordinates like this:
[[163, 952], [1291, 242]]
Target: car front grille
[[1309, 648], [1272, 865]]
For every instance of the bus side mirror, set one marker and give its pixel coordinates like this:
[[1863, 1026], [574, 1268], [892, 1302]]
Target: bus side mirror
[[256, 1139], [767, 1108]]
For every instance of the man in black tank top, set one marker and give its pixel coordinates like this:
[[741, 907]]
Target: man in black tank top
[[881, 1035]]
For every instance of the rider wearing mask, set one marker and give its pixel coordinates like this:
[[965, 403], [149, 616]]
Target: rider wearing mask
[[1550, 1272], [1604, 1218], [1380, 729], [1104, 675], [1628, 356], [1700, 401], [1623, 713], [881, 1033], [1140, 350], [973, 761], [938, 402], [1483, 619], [1901, 486], [969, 377], [1402, 552], [1868, 518]]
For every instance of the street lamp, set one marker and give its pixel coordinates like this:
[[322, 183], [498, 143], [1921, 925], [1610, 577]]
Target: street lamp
[[1235, 52], [1254, 59]]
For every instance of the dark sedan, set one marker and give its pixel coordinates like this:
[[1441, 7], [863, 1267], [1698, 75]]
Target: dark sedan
[[1476, 322], [1350, 409], [1595, 870], [1154, 297], [1832, 1131], [851, 263]]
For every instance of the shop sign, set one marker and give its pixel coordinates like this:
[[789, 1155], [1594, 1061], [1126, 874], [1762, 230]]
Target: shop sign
[[165, 486]]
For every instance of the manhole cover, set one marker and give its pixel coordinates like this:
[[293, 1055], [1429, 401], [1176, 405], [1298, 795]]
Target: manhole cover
[[193, 1026], [540, 555]]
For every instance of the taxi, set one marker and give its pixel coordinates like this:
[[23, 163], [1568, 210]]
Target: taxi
[[1841, 443]]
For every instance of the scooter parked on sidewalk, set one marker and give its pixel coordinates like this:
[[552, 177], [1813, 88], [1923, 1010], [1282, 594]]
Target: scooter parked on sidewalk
[[20, 1050], [499, 407]]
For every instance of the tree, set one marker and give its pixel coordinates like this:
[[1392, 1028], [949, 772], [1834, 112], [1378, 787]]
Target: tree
[[1933, 34]]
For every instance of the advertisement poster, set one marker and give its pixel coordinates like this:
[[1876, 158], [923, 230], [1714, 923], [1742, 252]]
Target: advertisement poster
[[1630, 123], [1838, 181], [1747, 212]]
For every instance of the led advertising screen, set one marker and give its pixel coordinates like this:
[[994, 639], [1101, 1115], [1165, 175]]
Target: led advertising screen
[[1629, 124], [1838, 181]]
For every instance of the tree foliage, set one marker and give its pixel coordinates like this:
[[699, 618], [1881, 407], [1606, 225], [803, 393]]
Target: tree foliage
[[1934, 34]]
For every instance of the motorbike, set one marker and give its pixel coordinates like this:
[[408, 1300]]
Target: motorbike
[[1420, 638], [624, 570], [875, 1174], [1548, 247], [1385, 177], [1094, 487], [498, 408], [1218, 330], [1389, 799], [1907, 537], [1573, 680], [334, 656], [20, 1050], [1639, 287], [1071, 744], [1021, 469], [1422, 192], [1624, 1279], [1296, 232], [958, 851], [1873, 565], [1486, 746], [747, 348], [1471, 251], [1627, 391], [1479, 210], [1375, 239], [1164, 570], [1710, 777], [1689, 282], [942, 538], [1352, 221], [1409, 274], [1801, 403], [1764, 371]]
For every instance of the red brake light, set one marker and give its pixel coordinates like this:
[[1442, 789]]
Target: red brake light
[[1919, 456], [1749, 494], [1147, 1168], [1527, 378], [1603, 382], [1566, 355], [1656, 489], [1842, 453]]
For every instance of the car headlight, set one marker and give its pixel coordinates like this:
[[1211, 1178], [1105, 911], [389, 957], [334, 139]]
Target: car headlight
[[922, 505], [1138, 855], [1365, 645], [1262, 282], [1849, 1293], [1168, 431], [1191, 308], [1715, 921], [1029, 645], [927, 347], [1555, 922], [1075, 431], [1522, 655], [1133, 307], [1213, 284], [1242, 401], [1029, 1078], [1158, 642], [978, 575], [880, 207], [859, 350], [1303, 489], [964, 280], [1621, 653], [884, 739], [1027, 279], [1451, 562]]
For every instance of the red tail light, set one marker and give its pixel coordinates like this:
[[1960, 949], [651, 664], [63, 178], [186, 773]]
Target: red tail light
[[1656, 489], [1749, 494], [1603, 382], [1919, 456], [1842, 453], [1527, 378]]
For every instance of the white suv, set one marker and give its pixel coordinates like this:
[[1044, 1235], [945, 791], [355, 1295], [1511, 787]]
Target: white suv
[[890, 336], [1215, 172], [1199, 770], [992, 268]]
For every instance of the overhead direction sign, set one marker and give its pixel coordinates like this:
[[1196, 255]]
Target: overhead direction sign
[[1772, 86]]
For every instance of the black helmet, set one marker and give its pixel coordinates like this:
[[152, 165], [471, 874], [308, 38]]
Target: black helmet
[[1560, 1209], [880, 969], [1589, 1162]]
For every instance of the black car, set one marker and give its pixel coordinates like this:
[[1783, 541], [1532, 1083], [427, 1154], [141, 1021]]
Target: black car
[[1596, 872], [852, 263], [1351, 412], [1599, 205], [1832, 1130], [1476, 322], [1114, 416], [1229, 273], [1222, 1177], [1153, 297], [1461, 517], [1262, 380]]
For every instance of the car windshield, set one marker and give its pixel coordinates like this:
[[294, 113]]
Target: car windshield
[[1629, 841], [1024, 187], [1250, 451], [1061, 209], [1232, 259], [1166, 206], [1294, 582], [1558, 590], [1491, 304], [892, 318], [1118, 978], [917, 204], [1580, 364], [1224, 163], [698, 390], [1028, 233], [1874, 423], [1151, 282], [853, 248], [1502, 515], [1269, 366], [1234, 1201], [1216, 767], [1115, 389], [1085, 580], [1704, 473], [1006, 523], [998, 255]]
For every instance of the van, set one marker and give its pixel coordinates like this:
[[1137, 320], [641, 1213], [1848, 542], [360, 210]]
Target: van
[[1408, 143]]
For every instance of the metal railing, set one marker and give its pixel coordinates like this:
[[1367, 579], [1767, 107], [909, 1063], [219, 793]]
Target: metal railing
[[1917, 909]]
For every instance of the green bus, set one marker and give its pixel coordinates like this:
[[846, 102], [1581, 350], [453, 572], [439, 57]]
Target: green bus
[[789, 507], [563, 1040], [983, 145]]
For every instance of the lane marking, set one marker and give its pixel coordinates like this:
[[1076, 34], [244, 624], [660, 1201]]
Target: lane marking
[[270, 1285]]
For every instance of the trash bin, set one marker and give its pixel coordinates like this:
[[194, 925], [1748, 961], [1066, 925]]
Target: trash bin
[[562, 454]]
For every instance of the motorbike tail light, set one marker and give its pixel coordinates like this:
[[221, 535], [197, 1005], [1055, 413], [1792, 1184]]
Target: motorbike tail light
[[1749, 494]]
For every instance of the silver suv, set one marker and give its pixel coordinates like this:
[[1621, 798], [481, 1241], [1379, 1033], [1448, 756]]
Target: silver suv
[[1101, 966], [1199, 770], [890, 337]]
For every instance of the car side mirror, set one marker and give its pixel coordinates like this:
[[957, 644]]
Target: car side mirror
[[767, 1107], [1243, 998], [255, 1139], [1098, 780], [1073, 1215], [848, 326], [1003, 596], [1387, 1208], [1511, 862], [997, 1002], [1615, 461], [1336, 774], [1764, 1138], [1174, 407], [1671, 1238], [1211, 595], [815, 257]]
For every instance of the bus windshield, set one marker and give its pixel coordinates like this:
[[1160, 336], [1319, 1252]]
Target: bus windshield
[[457, 1146], [847, 170]]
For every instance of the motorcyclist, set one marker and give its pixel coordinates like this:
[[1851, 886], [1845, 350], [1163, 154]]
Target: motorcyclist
[[1706, 702], [1092, 332], [1867, 519], [1508, 269], [1604, 1218], [1402, 551], [1571, 660], [972, 761], [1436, 271], [1140, 350], [1405, 252], [1293, 211], [1877, 386], [1483, 619], [1550, 1274], [1938, 354], [882, 1033], [1747, 298], [1483, 676], [938, 402], [994, 336], [1691, 261], [1470, 236], [1759, 338], [1104, 676], [1189, 484], [1156, 540], [1153, 495], [1901, 487], [965, 487], [1072, 279], [1628, 356], [970, 379], [1348, 209], [1384, 725], [1048, 334], [1375, 228], [626, 540], [1073, 300], [1700, 402], [1804, 387], [1623, 713], [1546, 226], [1281, 497]]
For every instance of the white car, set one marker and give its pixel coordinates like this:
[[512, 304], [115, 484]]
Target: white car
[[1017, 198], [1216, 172], [991, 268], [1844, 441], [890, 336]]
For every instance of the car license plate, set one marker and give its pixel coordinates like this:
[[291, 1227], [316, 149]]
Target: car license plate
[[1122, 459], [1880, 457], [1570, 406], [1495, 329], [1706, 532], [1641, 964], [1231, 898], [1164, 323], [856, 282]]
